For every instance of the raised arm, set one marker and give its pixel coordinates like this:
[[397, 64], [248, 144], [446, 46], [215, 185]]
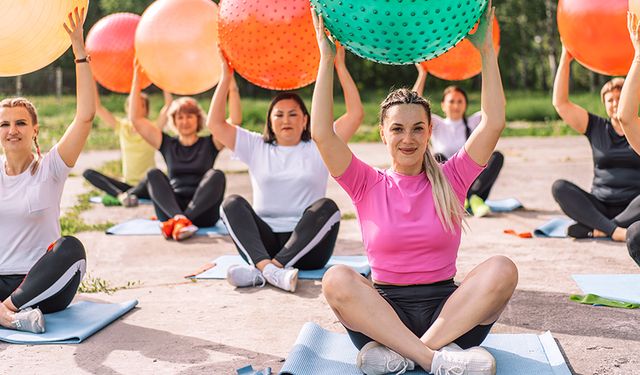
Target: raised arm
[[222, 131], [334, 150], [75, 137], [571, 113], [630, 95], [104, 114], [483, 140], [421, 80], [235, 106], [162, 119], [347, 124], [147, 129]]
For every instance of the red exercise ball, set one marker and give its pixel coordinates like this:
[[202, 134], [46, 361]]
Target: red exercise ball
[[271, 43], [462, 61], [177, 45], [110, 44], [595, 33]]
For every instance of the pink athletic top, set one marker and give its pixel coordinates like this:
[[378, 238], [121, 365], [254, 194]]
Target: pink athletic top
[[405, 241]]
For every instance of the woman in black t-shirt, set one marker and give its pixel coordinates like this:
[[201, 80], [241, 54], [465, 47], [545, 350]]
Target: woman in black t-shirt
[[191, 195], [614, 202]]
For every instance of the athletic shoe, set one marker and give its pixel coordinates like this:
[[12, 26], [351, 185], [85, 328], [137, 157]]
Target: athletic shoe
[[166, 227], [478, 206], [579, 231], [183, 228], [244, 275], [29, 320], [128, 200], [283, 278], [377, 359], [453, 360]]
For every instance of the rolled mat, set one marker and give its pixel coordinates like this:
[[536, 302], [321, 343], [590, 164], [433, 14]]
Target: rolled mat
[[625, 288], [147, 227]]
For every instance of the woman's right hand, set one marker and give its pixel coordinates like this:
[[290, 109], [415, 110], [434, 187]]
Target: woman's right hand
[[326, 46], [633, 25], [566, 55], [225, 69]]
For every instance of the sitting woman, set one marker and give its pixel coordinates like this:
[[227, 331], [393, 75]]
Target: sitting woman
[[450, 134], [411, 217], [628, 116], [191, 195], [138, 157], [291, 225], [40, 271], [614, 201]]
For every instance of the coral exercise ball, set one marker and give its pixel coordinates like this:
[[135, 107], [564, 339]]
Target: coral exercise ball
[[595, 33], [271, 43], [110, 44], [32, 33], [462, 61], [176, 44], [397, 31]]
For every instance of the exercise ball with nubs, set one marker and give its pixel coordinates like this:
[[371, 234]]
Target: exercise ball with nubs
[[462, 61], [270, 43], [595, 33], [176, 44], [399, 31], [32, 35], [110, 44]]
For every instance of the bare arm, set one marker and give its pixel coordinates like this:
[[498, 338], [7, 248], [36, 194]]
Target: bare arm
[[334, 150], [421, 80], [104, 114], [234, 104], [347, 124], [630, 95], [75, 137], [162, 119], [147, 129], [483, 140], [221, 130], [571, 113]]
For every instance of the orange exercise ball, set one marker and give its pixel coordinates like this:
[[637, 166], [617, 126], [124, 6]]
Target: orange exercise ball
[[462, 61], [595, 33], [176, 44], [32, 33], [271, 43], [110, 44]]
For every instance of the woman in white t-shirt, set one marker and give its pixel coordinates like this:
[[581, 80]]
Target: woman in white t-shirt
[[451, 133], [291, 225], [39, 270]]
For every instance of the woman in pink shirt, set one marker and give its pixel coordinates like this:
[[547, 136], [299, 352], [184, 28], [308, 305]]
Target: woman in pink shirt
[[411, 217]]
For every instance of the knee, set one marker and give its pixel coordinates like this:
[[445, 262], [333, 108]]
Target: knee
[[558, 188], [70, 247], [633, 241], [326, 205], [154, 173], [336, 282], [89, 173], [498, 158], [233, 202], [215, 175], [504, 274]]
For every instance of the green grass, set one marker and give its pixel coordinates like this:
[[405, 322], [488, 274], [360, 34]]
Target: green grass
[[533, 112], [98, 285], [71, 222]]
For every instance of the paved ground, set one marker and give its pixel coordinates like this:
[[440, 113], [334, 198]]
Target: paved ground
[[184, 327]]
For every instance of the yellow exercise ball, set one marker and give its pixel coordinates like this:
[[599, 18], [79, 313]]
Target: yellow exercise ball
[[31, 33]]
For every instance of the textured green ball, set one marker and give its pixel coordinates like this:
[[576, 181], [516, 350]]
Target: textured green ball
[[399, 31]]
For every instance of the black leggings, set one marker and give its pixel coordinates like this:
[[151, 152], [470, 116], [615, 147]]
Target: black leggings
[[588, 210], [309, 246], [418, 307], [202, 207], [114, 187], [633, 241], [52, 282], [485, 181]]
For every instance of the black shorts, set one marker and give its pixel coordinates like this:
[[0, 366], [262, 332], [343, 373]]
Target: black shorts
[[418, 306]]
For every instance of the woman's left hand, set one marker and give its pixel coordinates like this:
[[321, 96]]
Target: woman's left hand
[[482, 39], [76, 32], [327, 47]]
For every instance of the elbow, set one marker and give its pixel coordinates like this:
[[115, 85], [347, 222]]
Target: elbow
[[358, 114]]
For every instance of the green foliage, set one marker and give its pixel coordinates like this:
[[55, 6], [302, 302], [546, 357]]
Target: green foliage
[[131, 6], [71, 222], [98, 285]]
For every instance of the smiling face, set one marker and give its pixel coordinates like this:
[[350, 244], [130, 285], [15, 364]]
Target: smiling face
[[288, 122], [406, 130], [17, 130], [454, 105], [186, 123]]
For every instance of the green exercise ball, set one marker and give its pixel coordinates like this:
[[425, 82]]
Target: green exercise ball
[[399, 31]]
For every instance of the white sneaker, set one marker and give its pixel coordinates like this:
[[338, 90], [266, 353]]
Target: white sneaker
[[453, 360], [244, 275], [377, 359], [283, 278], [29, 320]]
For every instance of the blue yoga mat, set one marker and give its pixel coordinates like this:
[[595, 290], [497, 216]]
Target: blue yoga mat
[[221, 264], [71, 325], [554, 228], [625, 288], [503, 205], [146, 227], [98, 200], [318, 351]]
